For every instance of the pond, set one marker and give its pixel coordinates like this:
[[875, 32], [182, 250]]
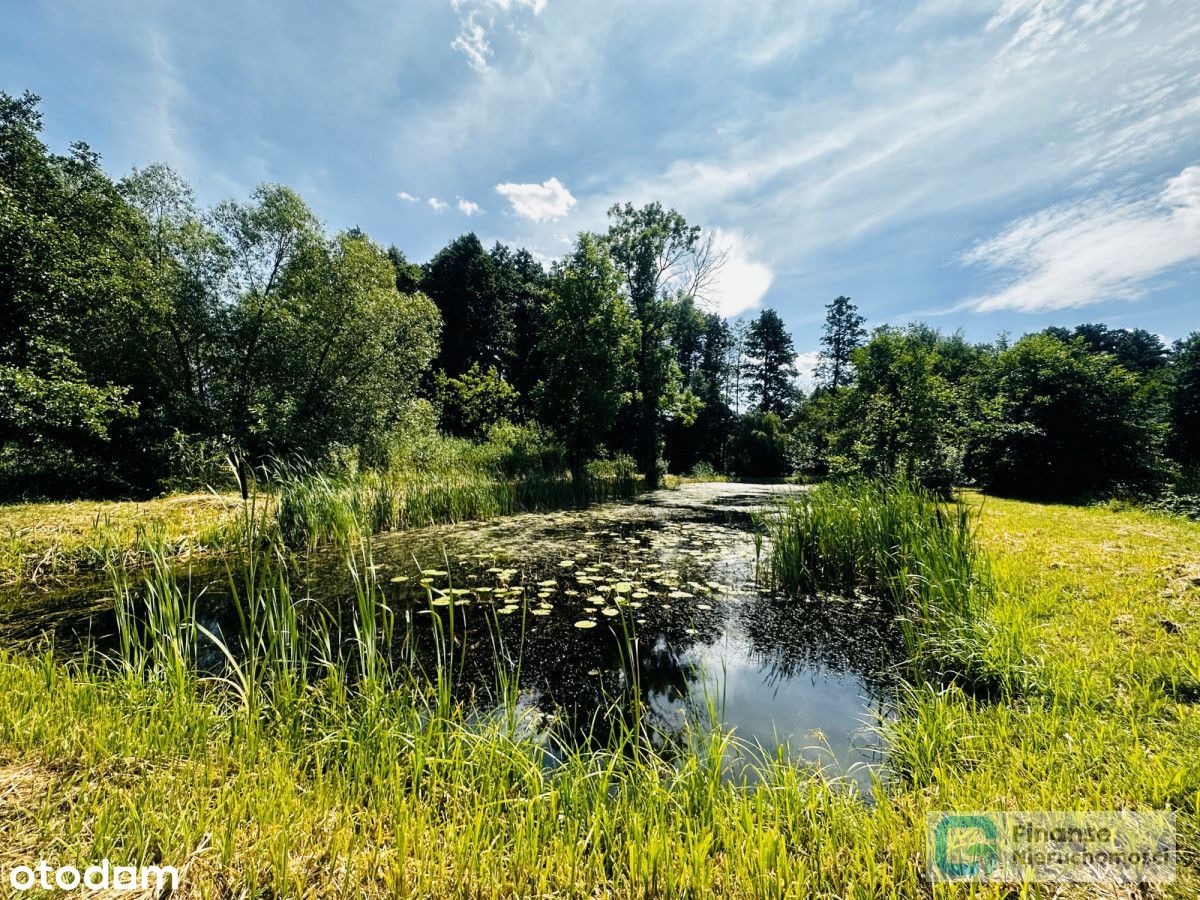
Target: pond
[[660, 594]]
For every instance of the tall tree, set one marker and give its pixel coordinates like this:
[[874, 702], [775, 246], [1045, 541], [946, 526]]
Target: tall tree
[[524, 293], [661, 260], [72, 273], [843, 334], [771, 364], [1185, 401], [478, 328], [587, 347]]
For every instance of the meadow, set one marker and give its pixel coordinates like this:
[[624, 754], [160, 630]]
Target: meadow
[[1068, 680]]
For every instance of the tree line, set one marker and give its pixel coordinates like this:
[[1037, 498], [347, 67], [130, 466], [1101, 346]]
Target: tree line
[[146, 340]]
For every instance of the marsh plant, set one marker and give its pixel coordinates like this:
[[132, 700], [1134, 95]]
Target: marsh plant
[[897, 541]]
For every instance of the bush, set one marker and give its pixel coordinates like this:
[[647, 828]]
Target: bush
[[759, 448]]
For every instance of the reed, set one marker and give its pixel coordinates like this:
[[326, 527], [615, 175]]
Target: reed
[[919, 555], [317, 772]]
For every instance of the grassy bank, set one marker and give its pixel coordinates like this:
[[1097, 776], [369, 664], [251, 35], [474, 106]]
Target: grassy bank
[[290, 784], [49, 540]]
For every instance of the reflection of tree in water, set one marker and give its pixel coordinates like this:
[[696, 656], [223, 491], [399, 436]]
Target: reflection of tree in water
[[584, 677], [854, 634]]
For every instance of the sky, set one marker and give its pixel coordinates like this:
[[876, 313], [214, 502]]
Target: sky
[[981, 166]]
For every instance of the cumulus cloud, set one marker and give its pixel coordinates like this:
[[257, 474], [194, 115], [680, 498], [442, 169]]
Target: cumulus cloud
[[806, 369], [438, 205], [543, 202], [1103, 249], [742, 281], [407, 197], [466, 207]]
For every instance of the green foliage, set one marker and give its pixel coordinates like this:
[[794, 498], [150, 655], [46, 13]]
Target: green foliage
[[475, 401], [1063, 422], [899, 419], [661, 260], [587, 348], [461, 279], [1184, 400], [843, 334], [759, 447], [771, 364]]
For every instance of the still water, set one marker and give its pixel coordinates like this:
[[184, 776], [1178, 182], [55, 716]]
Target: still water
[[660, 594]]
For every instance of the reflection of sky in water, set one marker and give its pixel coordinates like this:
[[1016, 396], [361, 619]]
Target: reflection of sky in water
[[779, 670]]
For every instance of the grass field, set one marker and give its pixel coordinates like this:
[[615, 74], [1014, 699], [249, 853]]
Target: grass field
[[380, 788]]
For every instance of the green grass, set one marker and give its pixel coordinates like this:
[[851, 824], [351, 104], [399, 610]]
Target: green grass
[[919, 555], [45, 541], [337, 775]]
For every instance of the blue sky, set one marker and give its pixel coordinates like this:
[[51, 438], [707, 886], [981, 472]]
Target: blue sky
[[990, 166]]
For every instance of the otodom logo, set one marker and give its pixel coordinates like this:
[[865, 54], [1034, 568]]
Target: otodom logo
[[966, 846]]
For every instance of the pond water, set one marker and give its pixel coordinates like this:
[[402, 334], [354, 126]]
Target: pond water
[[567, 600]]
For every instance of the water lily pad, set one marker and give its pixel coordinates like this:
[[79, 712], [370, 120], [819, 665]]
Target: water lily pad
[[585, 623]]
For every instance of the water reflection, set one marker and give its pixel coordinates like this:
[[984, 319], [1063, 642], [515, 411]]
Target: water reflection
[[666, 590]]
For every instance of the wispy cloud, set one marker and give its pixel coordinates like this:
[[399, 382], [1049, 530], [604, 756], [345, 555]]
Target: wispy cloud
[[467, 208], [407, 197], [476, 18], [1102, 249], [543, 202], [472, 41], [437, 205]]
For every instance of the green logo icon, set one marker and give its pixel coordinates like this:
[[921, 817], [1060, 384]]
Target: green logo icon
[[966, 846]]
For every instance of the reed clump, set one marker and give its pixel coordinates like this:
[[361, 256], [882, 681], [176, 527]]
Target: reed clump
[[916, 553]]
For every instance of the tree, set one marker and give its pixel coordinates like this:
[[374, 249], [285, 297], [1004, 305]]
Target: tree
[[524, 293], [1063, 422], [1185, 401], [1136, 349], [587, 348], [476, 401], [758, 448], [844, 333], [349, 351], [478, 327], [71, 274], [408, 274], [899, 418], [771, 364], [187, 261], [661, 260], [701, 341]]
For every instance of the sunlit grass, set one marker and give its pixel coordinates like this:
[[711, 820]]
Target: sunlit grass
[[336, 773]]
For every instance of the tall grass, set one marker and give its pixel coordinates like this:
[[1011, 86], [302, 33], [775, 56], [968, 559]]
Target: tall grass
[[321, 773], [899, 542], [315, 508]]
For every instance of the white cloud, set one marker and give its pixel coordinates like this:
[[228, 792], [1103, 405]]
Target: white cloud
[[407, 197], [472, 38], [806, 368], [1103, 249], [438, 205], [472, 41], [543, 202], [466, 207], [741, 282]]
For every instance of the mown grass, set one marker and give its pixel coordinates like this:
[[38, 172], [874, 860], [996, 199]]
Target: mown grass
[[338, 780], [44, 540]]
